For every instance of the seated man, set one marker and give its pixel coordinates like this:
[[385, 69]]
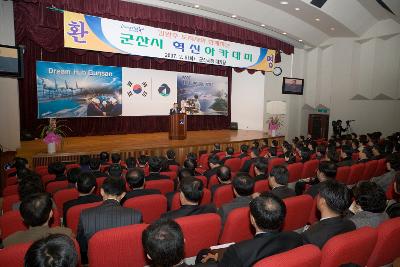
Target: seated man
[[130, 163], [135, 179], [36, 211], [333, 200], [255, 153], [142, 161], [171, 156], [346, 156], [163, 243], [155, 167], [58, 169], [84, 161], [110, 214], [72, 176], [215, 164], [243, 188], [94, 167], [392, 166], [52, 251], [267, 215], [190, 197], [243, 151], [224, 178], [278, 181], [393, 209], [272, 153], [369, 205], [104, 158], [217, 149], [229, 154], [30, 184], [260, 167], [85, 185], [326, 171]]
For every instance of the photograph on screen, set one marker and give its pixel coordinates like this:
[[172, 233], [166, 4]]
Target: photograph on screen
[[200, 94], [67, 90], [292, 86]]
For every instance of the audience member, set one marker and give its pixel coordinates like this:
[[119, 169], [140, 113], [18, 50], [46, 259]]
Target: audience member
[[346, 156], [115, 170], [393, 209], [94, 167], [84, 161], [190, 164], [321, 152], [243, 151], [326, 171], [229, 154], [217, 149], [31, 184], [36, 212], [72, 176], [333, 200], [155, 167], [164, 167], [142, 161], [130, 163], [58, 169], [255, 153], [214, 163], [224, 178], [305, 154], [260, 169], [182, 174], [104, 158], [365, 155], [171, 158], [278, 181], [392, 166], [115, 158], [55, 250], [136, 181]]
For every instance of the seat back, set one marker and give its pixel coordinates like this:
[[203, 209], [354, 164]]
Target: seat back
[[213, 181], [151, 206], [298, 210], [370, 169], [342, 174], [74, 212], [203, 161], [221, 155], [295, 171], [309, 168], [11, 222], [42, 170], [386, 249], [200, 231], [355, 156], [47, 178], [64, 195], [71, 166], [356, 173], [164, 185], [171, 174], [261, 186], [10, 190], [121, 246], [9, 201], [380, 168], [252, 172], [233, 164], [52, 187], [203, 179], [174, 168], [222, 195], [13, 180], [315, 214], [237, 219], [308, 255], [275, 162], [99, 183], [243, 160], [14, 255], [352, 247]]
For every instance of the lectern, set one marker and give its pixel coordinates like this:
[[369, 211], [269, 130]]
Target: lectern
[[177, 126]]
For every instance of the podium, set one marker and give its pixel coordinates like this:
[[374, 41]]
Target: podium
[[177, 126]]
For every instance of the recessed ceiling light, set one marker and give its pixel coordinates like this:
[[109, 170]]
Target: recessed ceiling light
[[300, 40], [284, 33], [233, 16], [332, 29], [262, 25], [317, 19], [196, 6], [297, 9], [284, 2]]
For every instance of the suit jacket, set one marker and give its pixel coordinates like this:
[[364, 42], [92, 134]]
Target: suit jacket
[[314, 189], [393, 210], [319, 233], [246, 166], [188, 210], [155, 176], [385, 180], [33, 234], [283, 192], [139, 193], [345, 162], [248, 252], [172, 162], [210, 172], [80, 200], [108, 215], [238, 202], [99, 174], [367, 218], [243, 155], [260, 177]]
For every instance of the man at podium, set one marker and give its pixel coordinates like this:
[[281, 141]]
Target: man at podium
[[175, 109]]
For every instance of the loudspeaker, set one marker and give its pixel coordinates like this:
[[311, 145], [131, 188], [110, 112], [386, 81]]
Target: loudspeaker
[[318, 3], [234, 126], [26, 135]]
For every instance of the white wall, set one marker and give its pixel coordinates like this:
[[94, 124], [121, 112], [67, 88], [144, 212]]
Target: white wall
[[9, 102]]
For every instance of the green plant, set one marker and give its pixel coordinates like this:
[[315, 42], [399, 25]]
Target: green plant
[[54, 131]]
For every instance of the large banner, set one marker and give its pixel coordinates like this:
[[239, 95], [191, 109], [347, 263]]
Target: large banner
[[100, 34], [78, 90]]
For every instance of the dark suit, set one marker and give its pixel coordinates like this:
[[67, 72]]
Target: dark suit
[[246, 166], [98, 174], [139, 193], [345, 162], [314, 189], [283, 192], [108, 215], [172, 162], [80, 200], [210, 172], [238, 202], [155, 176], [260, 177], [243, 155], [248, 252], [319, 233], [188, 210]]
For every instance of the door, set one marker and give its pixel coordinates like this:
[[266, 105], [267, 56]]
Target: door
[[318, 126]]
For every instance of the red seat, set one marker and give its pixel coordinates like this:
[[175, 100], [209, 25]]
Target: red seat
[[203, 161], [309, 168], [42, 170], [213, 181], [121, 246], [200, 231], [62, 196], [237, 219], [10, 190], [355, 156], [243, 160], [223, 195], [352, 247], [386, 249], [315, 214], [308, 255], [356, 173], [275, 162], [261, 186], [176, 202], [10, 170], [390, 192], [151, 206], [52, 187], [295, 170], [171, 175], [221, 155], [71, 166], [164, 185], [74, 212], [14, 255], [342, 174], [233, 164], [381, 168], [252, 172], [9, 201], [174, 168], [370, 169], [11, 222], [203, 179], [47, 178], [297, 211], [13, 180], [99, 183]]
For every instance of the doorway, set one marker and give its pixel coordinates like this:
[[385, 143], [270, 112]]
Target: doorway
[[318, 126]]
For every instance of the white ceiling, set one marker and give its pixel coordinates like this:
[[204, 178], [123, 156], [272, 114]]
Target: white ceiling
[[337, 18]]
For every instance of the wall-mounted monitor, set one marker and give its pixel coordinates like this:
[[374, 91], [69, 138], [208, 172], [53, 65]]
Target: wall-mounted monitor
[[11, 61], [292, 86]]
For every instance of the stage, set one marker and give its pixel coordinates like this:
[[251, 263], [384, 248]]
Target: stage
[[137, 144]]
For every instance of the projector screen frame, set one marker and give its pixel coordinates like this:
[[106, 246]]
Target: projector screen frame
[[20, 73]]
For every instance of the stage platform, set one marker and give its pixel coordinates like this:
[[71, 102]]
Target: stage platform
[[137, 144]]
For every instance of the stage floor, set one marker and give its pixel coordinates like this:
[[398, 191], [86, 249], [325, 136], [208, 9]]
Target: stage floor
[[138, 142]]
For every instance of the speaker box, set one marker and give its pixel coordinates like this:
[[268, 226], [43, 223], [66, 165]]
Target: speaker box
[[234, 126], [318, 3]]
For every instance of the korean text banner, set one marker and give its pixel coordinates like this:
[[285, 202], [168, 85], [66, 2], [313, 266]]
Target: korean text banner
[[100, 34]]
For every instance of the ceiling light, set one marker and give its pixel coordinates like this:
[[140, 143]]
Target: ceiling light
[[284, 2], [332, 29], [284, 33], [300, 40], [262, 25], [233, 16], [196, 6], [317, 19], [297, 9]]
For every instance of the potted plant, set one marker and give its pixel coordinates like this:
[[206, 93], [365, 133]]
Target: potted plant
[[274, 123], [52, 134]]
